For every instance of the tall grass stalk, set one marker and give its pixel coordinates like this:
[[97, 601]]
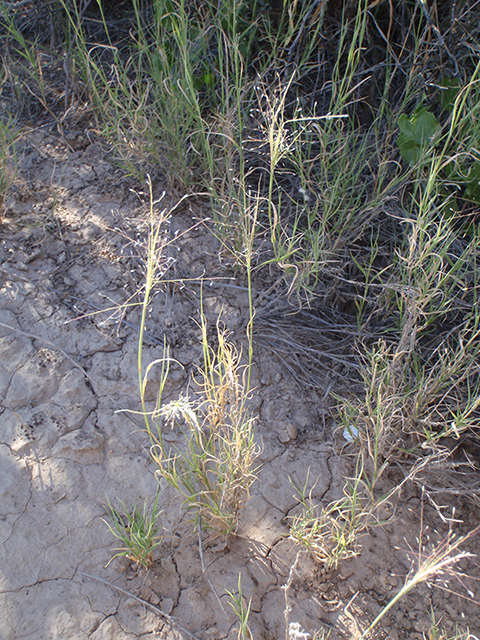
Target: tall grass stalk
[[214, 467], [8, 158], [439, 563], [153, 274], [350, 43]]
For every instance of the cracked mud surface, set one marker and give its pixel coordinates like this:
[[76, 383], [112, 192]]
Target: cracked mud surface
[[69, 247]]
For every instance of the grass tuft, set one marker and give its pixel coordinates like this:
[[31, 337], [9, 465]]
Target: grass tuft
[[137, 529], [215, 466], [331, 533]]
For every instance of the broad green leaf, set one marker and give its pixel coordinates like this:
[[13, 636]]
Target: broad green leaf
[[416, 133], [409, 149], [425, 126]]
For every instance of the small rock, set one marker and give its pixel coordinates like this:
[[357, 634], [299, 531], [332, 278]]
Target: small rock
[[145, 593], [288, 433], [131, 602], [393, 580], [175, 542], [292, 431], [166, 605], [266, 378]]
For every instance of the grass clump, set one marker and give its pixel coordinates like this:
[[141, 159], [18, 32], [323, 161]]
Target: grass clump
[[331, 533], [437, 632], [215, 467], [137, 529]]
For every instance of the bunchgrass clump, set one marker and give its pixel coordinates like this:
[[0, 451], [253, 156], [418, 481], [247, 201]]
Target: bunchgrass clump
[[214, 467], [137, 529], [331, 533], [439, 632]]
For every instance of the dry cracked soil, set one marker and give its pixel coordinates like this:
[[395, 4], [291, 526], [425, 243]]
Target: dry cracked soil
[[70, 242]]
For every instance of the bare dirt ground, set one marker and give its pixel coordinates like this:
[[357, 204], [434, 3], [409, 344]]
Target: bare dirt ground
[[70, 241]]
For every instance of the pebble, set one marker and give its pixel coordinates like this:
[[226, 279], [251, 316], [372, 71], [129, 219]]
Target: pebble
[[131, 602], [166, 605], [288, 433], [292, 431]]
